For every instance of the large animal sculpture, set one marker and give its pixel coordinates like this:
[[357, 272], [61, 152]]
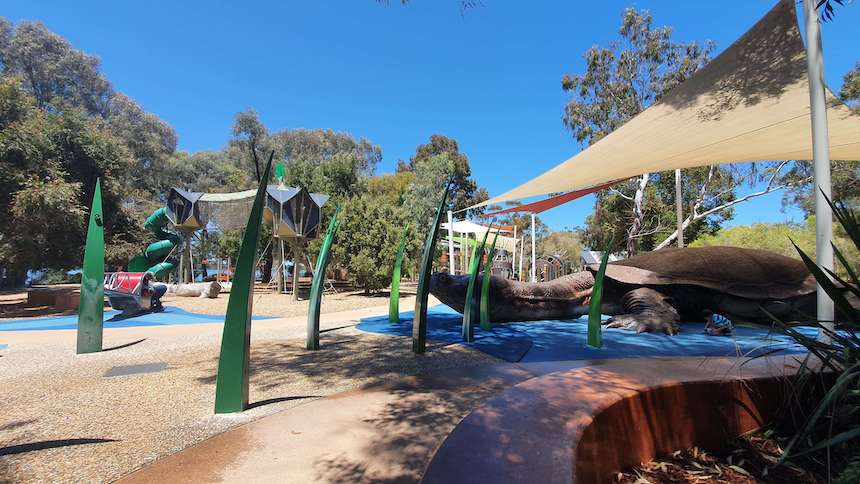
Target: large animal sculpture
[[654, 291]]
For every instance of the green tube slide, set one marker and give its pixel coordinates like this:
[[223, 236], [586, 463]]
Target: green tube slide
[[153, 258]]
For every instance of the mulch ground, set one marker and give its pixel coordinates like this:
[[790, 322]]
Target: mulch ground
[[750, 459]]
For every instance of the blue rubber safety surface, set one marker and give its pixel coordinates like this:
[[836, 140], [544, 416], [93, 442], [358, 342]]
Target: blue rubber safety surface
[[3, 347], [537, 341], [113, 319]]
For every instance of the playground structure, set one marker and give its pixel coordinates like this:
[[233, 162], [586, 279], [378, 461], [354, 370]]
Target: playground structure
[[295, 215], [294, 212], [133, 292]]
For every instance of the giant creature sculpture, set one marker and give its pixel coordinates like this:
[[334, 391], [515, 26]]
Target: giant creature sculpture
[[654, 291]]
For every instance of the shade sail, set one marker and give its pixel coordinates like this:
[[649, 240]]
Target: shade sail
[[552, 202], [751, 103]]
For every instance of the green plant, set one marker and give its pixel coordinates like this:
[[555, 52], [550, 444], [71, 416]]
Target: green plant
[[468, 309], [315, 298], [394, 296], [828, 428], [485, 285], [58, 276], [231, 383], [419, 320], [595, 337]]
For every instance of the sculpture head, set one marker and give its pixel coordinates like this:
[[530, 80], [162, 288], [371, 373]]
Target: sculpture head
[[450, 289]]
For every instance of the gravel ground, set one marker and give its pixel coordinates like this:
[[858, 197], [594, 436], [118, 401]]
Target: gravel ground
[[63, 420], [280, 305]]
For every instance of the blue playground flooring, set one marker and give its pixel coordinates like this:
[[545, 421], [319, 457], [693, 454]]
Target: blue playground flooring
[[539, 341], [113, 319]]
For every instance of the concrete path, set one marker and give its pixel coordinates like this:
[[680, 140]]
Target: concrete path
[[502, 423], [385, 433]]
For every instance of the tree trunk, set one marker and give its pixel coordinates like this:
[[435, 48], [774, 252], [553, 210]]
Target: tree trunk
[[277, 256], [638, 216]]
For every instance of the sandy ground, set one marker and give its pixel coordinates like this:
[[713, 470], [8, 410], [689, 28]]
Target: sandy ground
[[13, 304], [281, 305], [63, 419]]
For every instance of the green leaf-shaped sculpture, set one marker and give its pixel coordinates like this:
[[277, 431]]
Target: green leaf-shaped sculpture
[[468, 309], [394, 297], [419, 320], [485, 286], [231, 385], [315, 299], [91, 307], [595, 338]]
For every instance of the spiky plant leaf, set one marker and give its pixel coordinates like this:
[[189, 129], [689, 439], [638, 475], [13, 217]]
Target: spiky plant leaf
[[419, 321], [394, 297], [315, 297], [485, 286], [231, 384], [595, 336], [468, 309]]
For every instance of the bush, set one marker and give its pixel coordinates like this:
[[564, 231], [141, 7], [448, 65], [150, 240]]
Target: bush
[[57, 276], [828, 428]]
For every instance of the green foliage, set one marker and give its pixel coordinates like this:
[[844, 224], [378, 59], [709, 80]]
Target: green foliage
[[485, 285], [620, 81], [61, 126], [51, 69], [844, 180], [57, 276], [394, 297], [370, 232], [48, 165], [315, 298], [248, 134], [628, 76], [595, 336], [828, 428], [469, 308], [564, 243], [419, 320], [465, 191], [850, 92]]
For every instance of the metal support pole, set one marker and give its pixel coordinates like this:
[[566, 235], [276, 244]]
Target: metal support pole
[[679, 210], [522, 256], [820, 154], [514, 253], [282, 276], [451, 265], [534, 276]]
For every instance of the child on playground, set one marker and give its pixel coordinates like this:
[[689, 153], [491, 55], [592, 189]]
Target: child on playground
[[717, 324]]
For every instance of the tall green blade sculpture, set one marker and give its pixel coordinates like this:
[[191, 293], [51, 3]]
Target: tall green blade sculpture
[[595, 338], [485, 286], [419, 320], [92, 304], [394, 297], [231, 385], [468, 309], [315, 299]]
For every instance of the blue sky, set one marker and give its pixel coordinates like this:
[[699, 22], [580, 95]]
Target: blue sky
[[488, 77]]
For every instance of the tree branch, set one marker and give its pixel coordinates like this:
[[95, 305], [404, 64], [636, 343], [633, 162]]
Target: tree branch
[[696, 216]]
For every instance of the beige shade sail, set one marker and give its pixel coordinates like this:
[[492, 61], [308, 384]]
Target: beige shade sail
[[751, 103]]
